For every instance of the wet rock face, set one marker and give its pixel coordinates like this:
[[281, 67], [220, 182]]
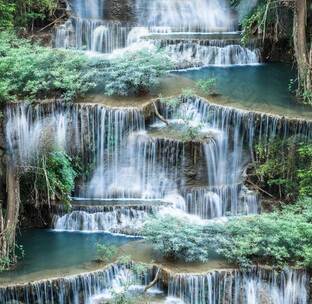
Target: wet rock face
[[120, 10]]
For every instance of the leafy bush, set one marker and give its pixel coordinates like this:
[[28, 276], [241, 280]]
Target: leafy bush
[[305, 174], [175, 238], [133, 72], [25, 13], [60, 173], [188, 130], [30, 71], [52, 178], [208, 86], [8, 261], [7, 11], [106, 253], [284, 168], [279, 238]]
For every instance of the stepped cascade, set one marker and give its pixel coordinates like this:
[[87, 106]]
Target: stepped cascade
[[99, 27], [133, 161], [215, 287], [161, 199]]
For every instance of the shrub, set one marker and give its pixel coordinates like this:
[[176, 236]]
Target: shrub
[[133, 72], [106, 253], [279, 238], [284, 168], [176, 239], [7, 11], [208, 86], [25, 13], [60, 174], [29, 71], [53, 177]]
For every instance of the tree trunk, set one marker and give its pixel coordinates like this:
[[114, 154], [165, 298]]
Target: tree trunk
[[9, 223], [302, 53]]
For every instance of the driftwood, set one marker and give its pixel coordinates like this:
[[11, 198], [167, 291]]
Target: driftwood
[[52, 23], [163, 119], [260, 189], [154, 282]]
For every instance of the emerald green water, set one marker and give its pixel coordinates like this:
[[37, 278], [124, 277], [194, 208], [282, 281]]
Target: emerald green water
[[258, 88], [50, 254]]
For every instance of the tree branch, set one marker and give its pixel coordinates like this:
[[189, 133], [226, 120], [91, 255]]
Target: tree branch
[[154, 282], [159, 115]]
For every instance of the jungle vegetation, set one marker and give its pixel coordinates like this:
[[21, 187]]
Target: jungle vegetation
[[29, 71], [288, 20], [280, 238]]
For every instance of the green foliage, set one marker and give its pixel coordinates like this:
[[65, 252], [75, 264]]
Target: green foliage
[[7, 11], [29, 71], [189, 92], [122, 298], [305, 172], [279, 238], [60, 174], [52, 178], [133, 72], [269, 18], [106, 253], [284, 168], [7, 262], [25, 13], [252, 21], [208, 86], [187, 131], [307, 97], [282, 237], [175, 238]]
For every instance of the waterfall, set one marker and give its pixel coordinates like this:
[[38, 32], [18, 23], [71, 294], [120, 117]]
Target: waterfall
[[255, 286], [189, 54], [119, 220], [242, 287], [93, 9], [147, 168], [225, 161], [186, 15], [131, 160], [29, 130], [215, 202], [89, 28], [76, 289]]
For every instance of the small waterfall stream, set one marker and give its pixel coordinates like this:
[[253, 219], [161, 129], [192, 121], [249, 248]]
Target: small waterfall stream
[[250, 287]]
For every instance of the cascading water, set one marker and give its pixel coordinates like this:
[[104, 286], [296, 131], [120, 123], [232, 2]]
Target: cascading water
[[190, 54], [255, 286], [239, 287], [185, 15], [126, 220], [90, 28], [131, 162]]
